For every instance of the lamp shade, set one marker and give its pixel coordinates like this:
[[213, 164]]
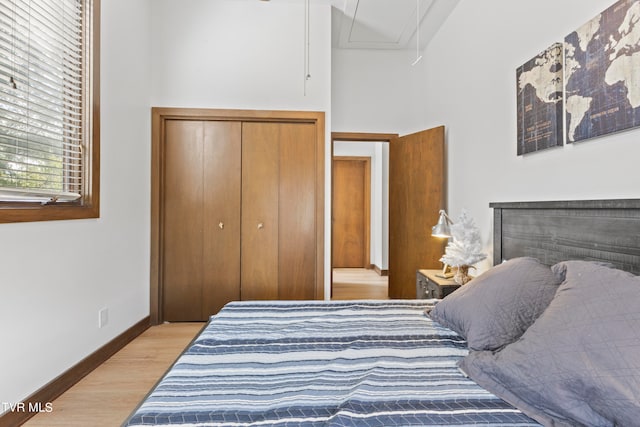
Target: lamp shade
[[442, 229]]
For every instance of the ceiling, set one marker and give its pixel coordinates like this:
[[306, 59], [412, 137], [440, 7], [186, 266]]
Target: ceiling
[[387, 24]]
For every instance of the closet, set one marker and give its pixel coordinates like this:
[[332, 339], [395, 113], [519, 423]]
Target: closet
[[238, 214]]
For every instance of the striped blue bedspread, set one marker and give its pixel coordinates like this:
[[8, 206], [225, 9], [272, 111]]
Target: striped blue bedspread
[[320, 363]]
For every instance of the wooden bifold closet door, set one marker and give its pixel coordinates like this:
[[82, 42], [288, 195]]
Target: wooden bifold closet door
[[238, 214], [278, 220], [202, 193]]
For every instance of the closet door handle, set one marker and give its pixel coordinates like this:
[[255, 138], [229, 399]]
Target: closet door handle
[[260, 226], [221, 225]]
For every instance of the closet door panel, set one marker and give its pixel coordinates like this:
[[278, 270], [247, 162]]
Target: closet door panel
[[221, 236], [182, 221], [297, 235], [259, 235]]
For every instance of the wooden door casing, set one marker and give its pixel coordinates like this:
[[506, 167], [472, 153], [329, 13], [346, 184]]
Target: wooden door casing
[[416, 194], [351, 180]]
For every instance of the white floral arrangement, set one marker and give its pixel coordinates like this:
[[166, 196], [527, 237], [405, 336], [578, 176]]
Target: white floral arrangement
[[465, 247]]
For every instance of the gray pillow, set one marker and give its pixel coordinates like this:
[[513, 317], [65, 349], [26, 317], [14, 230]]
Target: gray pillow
[[495, 308], [579, 363]]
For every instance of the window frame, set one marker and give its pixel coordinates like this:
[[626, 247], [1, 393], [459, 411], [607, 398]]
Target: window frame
[[88, 206]]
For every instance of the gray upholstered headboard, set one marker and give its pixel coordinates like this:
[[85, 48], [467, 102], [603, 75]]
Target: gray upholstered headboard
[[602, 230]]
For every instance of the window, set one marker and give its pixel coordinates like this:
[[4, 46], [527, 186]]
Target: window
[[49, 115]]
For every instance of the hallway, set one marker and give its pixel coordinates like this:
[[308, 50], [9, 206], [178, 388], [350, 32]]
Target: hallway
[[358, 283]]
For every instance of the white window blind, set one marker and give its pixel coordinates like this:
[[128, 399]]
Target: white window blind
[[45, 98]]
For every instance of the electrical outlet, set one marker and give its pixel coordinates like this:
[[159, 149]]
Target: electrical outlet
[[103, 317]]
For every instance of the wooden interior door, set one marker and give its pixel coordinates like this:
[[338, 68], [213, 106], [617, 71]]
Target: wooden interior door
[[416, 194], [351, 181]]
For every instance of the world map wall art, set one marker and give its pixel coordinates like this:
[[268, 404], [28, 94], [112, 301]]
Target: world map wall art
[[540, 101], [603, 73], [601, 83]]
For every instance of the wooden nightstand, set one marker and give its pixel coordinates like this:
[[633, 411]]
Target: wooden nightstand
[[428, 285]]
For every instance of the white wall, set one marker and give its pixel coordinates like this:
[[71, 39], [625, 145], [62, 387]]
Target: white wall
[[56, 276], [377, 91], [473, 92], [240, 54], [191, 53], [244, 54], [250, 54], [466, 82]]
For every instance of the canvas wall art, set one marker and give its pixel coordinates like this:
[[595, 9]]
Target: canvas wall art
[[539, 89], [602, 61]]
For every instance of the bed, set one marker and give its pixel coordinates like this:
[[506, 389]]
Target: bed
[[507, 349]]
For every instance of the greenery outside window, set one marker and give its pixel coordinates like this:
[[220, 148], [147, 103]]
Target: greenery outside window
[[49, 109]]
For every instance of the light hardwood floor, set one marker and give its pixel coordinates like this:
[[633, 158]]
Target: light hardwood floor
[[359, 283], [107, 395]]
